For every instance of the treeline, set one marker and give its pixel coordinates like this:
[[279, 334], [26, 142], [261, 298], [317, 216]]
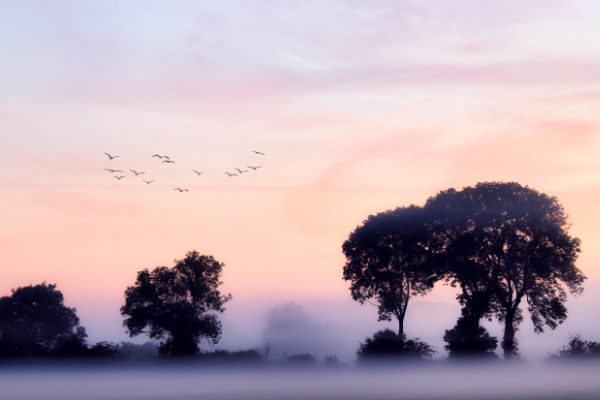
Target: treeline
[[504, 246]]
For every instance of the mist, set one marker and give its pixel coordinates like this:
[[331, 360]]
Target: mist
[[409, 381]]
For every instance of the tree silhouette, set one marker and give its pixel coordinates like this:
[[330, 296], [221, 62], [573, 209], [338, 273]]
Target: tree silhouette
[[387, 259], [458, 263], [387, 345], [469, 340], [177, 304], [520, 249], [34, 322], [578, 348]]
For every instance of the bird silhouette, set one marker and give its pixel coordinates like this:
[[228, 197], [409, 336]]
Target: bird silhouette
[[199, 173], [148, 182], [240, 171], [119, 177], [110, 157], [137, 173], [258, 152], [181, 190], [230, 175], [169, 161], [156, 155], [112, 171], [254, 168]]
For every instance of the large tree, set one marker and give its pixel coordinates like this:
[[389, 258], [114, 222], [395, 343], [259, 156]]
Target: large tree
[[387, 259], [521, 246], [177, 304], [34, 321], [458, 264]]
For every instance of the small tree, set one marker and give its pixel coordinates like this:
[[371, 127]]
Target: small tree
[[34, 321], [387, 260], [177, 304]]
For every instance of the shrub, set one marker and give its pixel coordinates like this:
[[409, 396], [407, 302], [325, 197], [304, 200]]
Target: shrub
[[387, 345], [578, 348]]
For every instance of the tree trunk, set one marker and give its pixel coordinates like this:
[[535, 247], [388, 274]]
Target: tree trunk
[[508, 342], [401, 328]]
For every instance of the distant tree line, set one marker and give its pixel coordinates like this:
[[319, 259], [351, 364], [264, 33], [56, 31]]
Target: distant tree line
[[504, 246]]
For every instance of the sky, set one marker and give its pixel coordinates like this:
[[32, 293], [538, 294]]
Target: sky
[[358, 107]]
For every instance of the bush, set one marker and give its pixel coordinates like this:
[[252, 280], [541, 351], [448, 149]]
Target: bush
[[387, 345], [239, 355], [138, 351], [470, 340], [300, 359], [578, 348], [331, 361]]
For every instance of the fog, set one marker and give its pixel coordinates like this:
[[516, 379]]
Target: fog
[[246, 325], [414, 381]]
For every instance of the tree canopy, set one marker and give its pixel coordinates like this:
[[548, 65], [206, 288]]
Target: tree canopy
[[34, 322], [387, 260], [177, 304], [509, 243]]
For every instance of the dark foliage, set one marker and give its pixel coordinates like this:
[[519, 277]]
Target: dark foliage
[[35, 322], [577, 349], [458, 263], [177, 304], [388, 259], [386, 345], [134, 351], [513, 241], [232, 356], [331, 361], [105, 350], [71, 345], [300, 359], [464, 341]]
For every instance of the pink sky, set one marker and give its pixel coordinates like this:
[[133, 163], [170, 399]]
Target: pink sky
[[359, 107]]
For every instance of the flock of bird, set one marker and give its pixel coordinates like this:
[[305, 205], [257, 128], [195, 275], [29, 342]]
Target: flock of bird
[[169, 161]]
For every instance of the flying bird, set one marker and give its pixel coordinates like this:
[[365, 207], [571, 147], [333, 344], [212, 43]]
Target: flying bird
[[199, 173], [112, 171], [148, 182], [230, 175], [156, 155], [240, 171], [119, 177], [181, 190], [137, 173], [258, 152], [169, 161], [110, 157], [254, 168]]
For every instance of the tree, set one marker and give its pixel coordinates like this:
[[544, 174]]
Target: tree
[[457, 263], [387, 259], [34, 321], [177, 304], [522, 251]]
